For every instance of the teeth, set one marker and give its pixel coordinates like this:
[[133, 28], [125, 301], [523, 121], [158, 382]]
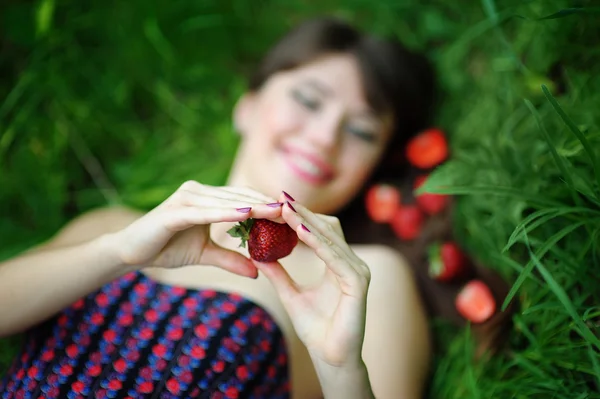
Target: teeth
[[308, 166]]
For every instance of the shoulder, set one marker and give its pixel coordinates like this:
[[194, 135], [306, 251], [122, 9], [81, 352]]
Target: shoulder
[[92, 224], [397, 343], [384, 262]]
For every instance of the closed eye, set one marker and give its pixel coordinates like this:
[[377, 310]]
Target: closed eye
[[306, 101], [362, 134]]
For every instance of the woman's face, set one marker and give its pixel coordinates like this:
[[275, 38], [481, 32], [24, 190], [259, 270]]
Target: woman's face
[[311, 133]]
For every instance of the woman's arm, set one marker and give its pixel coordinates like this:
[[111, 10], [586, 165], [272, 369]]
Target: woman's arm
[[79, 259], [397, 346], [396, 349], [345, 382], [91, 251]]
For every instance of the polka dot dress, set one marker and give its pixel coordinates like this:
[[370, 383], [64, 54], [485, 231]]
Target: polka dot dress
[[136, 338]]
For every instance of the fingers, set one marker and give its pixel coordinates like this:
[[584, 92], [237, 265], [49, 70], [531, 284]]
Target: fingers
[[228, 260], [228, 192], [219, 205], [352, 273], [185, 217], [280, 279], [328, 227]]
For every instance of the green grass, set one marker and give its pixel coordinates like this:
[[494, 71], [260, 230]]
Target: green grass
[[120, 102]]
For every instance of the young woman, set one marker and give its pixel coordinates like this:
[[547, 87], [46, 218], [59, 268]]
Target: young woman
[[166, 304]]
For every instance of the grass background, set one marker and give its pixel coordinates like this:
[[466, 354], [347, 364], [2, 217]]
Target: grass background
[[119, 102]]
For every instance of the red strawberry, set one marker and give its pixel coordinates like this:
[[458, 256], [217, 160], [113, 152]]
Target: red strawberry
[[427, 149], [446, 261], [429, 203], [407, 222], [382, 201], [475, 302], [267, 241]]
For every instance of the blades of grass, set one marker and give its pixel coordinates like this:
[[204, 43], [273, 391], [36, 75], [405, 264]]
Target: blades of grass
[[158, 40], [591, 313], [542, 216], [530, 366], [595, 364], [89, 161], [571, 11], [528, 224], [506, 261], [584, 142], [489, 7], [22, 117], [562, 296], [560, 162], [471, 380], [541, 252], [510, 192], [17, 91], [43, 17], [525, 330]]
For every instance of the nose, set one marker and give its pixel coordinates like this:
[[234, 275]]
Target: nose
[[324, 132]]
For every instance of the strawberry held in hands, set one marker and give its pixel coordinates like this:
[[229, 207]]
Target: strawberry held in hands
[[267, 241], [475, 302], [446, 261], [427, 149], [382, 201], [429, 203]]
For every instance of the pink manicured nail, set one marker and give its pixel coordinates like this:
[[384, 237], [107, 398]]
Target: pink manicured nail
[[275, 204], [304, 227], [288, 196], [291, 207], [243, 210]]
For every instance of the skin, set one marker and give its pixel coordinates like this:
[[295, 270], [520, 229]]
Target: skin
[[352, 318]]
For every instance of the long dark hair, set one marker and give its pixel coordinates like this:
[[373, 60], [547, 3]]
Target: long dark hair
[[396, 80]]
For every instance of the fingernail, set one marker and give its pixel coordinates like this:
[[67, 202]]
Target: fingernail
[[291, 207], [275, 204], [243, 210], [304, 227], [288, 196]]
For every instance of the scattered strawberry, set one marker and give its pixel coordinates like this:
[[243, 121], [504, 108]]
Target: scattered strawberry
[[446, 261], [429, 203], [427, 149], [475, 302], [407, 222], [382, 201], [267, 241]]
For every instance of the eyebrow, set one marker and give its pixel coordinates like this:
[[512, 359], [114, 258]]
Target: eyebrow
[[321, 87], [328, 91]]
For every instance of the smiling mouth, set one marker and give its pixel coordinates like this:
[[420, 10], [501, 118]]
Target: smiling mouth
[[310, 170]]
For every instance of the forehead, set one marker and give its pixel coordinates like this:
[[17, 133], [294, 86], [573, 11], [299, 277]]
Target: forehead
[[336, 75]]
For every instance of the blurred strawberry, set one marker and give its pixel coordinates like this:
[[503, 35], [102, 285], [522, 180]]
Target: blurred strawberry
[[430, 203], [447, 262], [407, 222], [475, 302], [382, 201], [427, 149]]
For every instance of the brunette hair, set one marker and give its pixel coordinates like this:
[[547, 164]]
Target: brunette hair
[[402, 82], [396, 80]]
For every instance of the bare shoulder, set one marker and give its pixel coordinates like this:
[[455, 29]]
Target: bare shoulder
[[384, 261], [90, 225], [397, 343]]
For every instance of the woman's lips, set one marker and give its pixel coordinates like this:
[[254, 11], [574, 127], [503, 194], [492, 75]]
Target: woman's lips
[[307, 166]]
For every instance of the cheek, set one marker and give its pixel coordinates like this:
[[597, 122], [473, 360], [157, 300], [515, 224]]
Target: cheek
[[359, 164], [281, 117]]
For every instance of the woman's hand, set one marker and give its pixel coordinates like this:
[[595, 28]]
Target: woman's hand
[[329, 318], [176, 233]]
